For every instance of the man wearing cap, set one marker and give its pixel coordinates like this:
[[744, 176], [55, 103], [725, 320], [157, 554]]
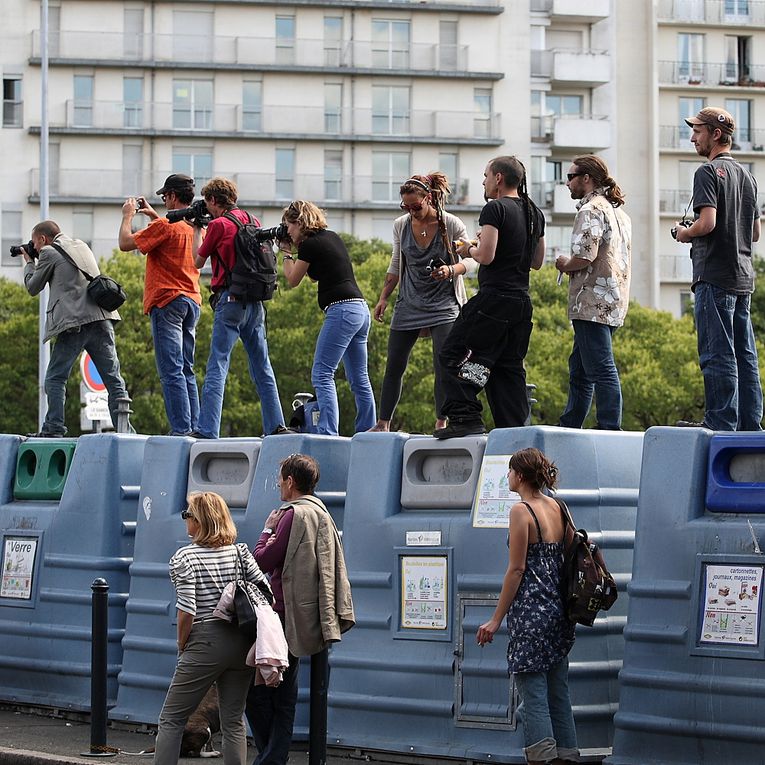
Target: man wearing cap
[[727, 221], [171, 296]]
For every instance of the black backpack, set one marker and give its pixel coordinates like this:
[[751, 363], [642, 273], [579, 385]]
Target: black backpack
[[253, 277], [586, 584]]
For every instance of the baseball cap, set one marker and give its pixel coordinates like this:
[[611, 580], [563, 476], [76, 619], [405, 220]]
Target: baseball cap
[[714, 117], [176, 181]]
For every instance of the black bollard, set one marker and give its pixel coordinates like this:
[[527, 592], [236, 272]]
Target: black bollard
[[98, 643], [317, 730]]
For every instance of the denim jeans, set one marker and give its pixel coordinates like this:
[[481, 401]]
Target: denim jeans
[[591, 369], [548, 722], [234, 320], [173, 328], [728, 359], [343, 337], [97, 338]]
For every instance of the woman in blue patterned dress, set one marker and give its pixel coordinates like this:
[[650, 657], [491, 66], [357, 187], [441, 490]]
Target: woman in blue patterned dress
[[540, 634]]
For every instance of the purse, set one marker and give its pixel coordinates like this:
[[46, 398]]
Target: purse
[[246, 596], [104, 291]]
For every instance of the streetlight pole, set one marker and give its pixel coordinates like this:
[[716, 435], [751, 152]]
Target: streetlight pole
[[43, 356]]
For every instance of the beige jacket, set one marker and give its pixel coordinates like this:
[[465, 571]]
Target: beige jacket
[[317, 593]]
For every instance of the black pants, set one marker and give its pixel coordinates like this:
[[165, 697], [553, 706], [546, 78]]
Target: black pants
[[486, 349]]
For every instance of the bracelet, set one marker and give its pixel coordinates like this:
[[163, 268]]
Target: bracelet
[[266, 530], [288, 257], [451, 272]]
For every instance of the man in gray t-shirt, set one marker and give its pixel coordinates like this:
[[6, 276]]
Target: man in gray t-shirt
[[727, 222]]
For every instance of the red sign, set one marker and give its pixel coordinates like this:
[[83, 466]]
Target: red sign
[[90, 375]]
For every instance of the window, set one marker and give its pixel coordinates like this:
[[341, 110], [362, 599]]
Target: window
[[12, 103], [447, 46], [196, 162], [132, 97], [687, 107], [54, 167], [82, 114], [285, 173], [192, 104], [333, 40], [741, 109], [736, 10], [54, 29], [390, 44], [448, 163], [545, 175], [333, 107], [389, 170], [333, 174], [82, 226], [736, 58], [193, 36], [690, 56], [686, 302], [132, 170], [390, 109], [564, 106], [10, 222], [285, 39], [252, 104], [132, 39], [482, 119]]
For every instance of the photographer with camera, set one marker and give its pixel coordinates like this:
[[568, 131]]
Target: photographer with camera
[[727, 223], [322, 255], [171, 296], [431, 291], [599, 269], [235, 317], [73, 319]]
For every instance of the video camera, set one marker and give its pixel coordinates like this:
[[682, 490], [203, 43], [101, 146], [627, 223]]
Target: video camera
[[16, 250], [196, 213]]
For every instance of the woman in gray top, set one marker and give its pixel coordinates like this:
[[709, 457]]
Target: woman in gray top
[[431, 289]]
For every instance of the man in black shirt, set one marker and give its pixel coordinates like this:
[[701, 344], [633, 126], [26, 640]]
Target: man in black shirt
[[727, 222], [489, 340]]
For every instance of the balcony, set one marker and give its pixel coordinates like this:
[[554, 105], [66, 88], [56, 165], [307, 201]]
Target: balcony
[[304, 122], [573, 10], [465, 6], [554, 197], [676, 137], [710, 75], [248, 53], [676, 268], [737, 13], [573, 131], [572, 67]]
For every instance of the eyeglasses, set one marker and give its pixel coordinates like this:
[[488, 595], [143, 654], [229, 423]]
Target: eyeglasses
[[411, 208], [186, 514], [571, 176], [163, 197]]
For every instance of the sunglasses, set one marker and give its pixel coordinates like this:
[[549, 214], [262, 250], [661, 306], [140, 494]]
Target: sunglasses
[[411, 208], [186, 514], [571, 176]]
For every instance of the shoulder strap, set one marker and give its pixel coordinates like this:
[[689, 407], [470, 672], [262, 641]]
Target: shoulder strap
[[71, 260], [566, 513], [236, 220], [534, 516]]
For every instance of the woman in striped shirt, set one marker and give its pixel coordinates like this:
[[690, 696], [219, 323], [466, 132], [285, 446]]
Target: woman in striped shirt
[[209, 649]]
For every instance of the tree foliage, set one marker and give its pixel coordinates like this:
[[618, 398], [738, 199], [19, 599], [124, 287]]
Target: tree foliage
[[655, 353]]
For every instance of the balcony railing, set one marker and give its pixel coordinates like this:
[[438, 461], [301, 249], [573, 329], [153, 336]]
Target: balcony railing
[[573, 10], [261, 189], [232, 119], [586, 67], [703, 73], [573, 130], [744, 139], [675, 268], [262, 51], [674, 201], [738, 12]]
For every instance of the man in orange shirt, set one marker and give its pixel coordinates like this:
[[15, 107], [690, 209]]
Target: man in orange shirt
[[171, 296]]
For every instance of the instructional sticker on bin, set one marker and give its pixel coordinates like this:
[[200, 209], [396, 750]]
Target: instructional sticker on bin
[[423, 596], [18, 567], [731, 604], [493, 499]]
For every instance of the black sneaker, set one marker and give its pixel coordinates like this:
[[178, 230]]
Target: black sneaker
[[457, 429], [690, 424], [197, 434], [44, 434], [283, 430]]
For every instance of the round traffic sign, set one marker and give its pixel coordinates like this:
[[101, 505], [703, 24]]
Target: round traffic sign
[[90, 375]]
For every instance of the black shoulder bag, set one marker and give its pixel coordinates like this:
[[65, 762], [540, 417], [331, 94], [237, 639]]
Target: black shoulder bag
[[104, 291]]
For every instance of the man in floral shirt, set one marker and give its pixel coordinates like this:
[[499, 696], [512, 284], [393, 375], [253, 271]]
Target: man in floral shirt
[[599, 285]]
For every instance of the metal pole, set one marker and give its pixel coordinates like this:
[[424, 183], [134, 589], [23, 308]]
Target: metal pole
[[43, 355], [317, 730], [98, 667]]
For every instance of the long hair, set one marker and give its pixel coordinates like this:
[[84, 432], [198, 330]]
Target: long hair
[[210, 511], [597, 169], [437, 185], [306, 214], [534, 468]]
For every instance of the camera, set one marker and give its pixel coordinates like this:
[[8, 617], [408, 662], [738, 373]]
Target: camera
[[277, 233], [684, 224], [140, 203], [29, 247], [195, 213], [434, 264]]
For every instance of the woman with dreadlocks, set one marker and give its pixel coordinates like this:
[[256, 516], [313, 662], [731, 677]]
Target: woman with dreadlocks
[[431, 290]]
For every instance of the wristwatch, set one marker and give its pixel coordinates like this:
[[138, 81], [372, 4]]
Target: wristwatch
[[266, 530]]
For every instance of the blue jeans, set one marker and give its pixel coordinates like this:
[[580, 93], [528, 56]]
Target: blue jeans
[[173, 328], [591, 369], [234, 320], [548, 722], [728, 359], [343, 337], [97, 338]]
